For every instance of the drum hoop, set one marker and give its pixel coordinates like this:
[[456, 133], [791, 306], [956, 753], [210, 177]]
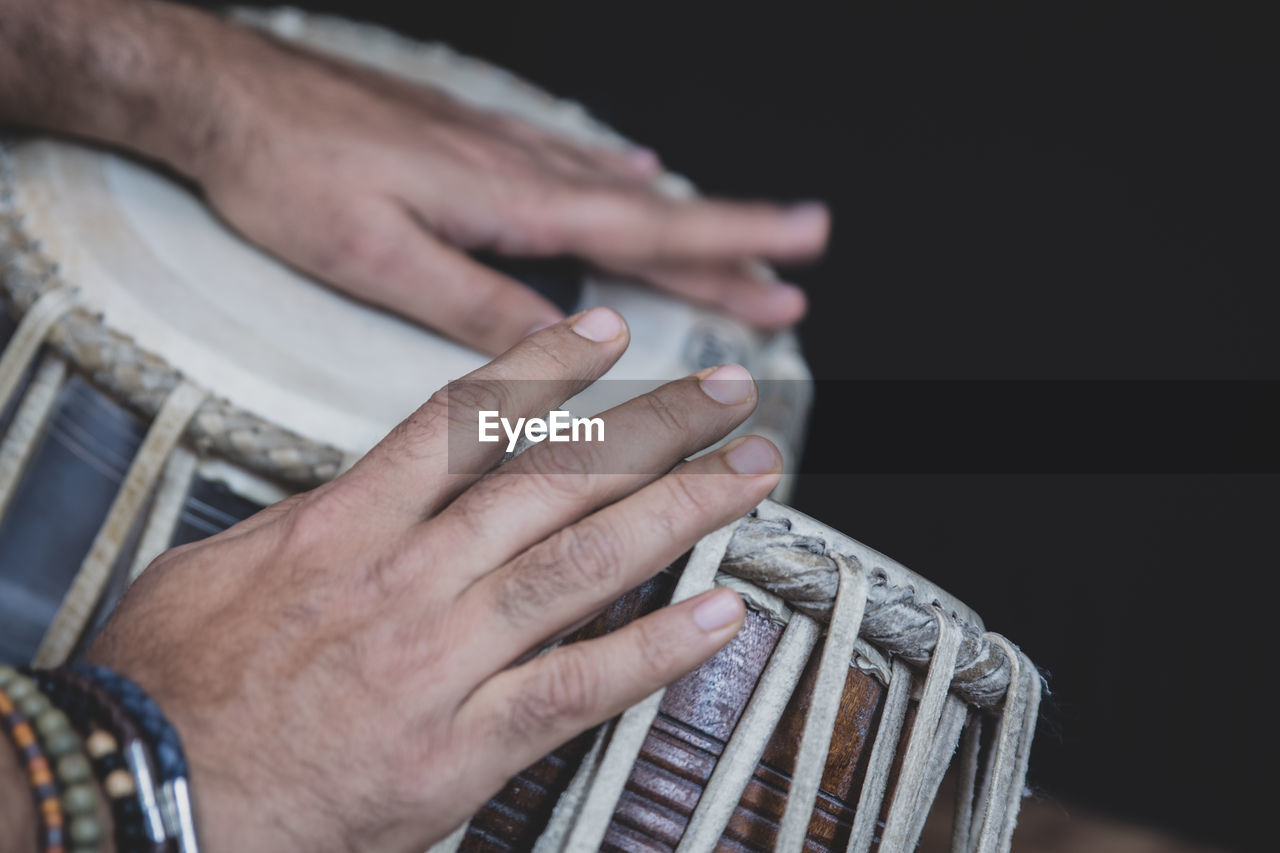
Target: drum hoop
[[781, 560]]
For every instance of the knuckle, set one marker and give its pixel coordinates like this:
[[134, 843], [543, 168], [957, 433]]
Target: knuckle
[[688, 498], [570, 685], [629, 224], [561, 468], [386, 575], [584, 557], [565, 690], [464, 398], [671, 418], [409, 438], [551, 356], [362, 241], [540, 218], [311, 522], [592, 551]]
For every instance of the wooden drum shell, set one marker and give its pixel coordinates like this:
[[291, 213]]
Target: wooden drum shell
[[696, 718]]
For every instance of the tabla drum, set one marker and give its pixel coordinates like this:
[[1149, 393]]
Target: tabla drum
[[827, 724], [162, 379]]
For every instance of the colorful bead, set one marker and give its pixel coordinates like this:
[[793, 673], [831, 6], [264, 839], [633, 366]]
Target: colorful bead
[[51, 722], [19, 689], [100, 743], [85, 830], [80, 799], [74, 768], [33, 706], [39, 771], [57, 766], [119, 783], [23, 735], [14, 692], [62, 743]]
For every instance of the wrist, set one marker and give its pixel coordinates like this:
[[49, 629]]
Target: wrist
[[137, 74], [17, 810]]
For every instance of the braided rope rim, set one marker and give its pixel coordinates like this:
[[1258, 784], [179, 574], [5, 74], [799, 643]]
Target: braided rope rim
[[902, 613]]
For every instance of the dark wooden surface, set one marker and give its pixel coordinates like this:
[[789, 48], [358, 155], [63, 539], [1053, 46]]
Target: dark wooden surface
[[696, 719]]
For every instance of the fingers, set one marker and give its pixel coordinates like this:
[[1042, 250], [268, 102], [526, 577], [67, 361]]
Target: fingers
[[614, 227], [744, 290], [555, 484], [434, 453], [631, 164], [385, 257], [532, 709], [579, 570]]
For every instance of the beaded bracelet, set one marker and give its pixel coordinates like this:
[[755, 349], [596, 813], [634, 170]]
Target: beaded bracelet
[[125, 773], [175, 794], [79, 797], [38, 771]]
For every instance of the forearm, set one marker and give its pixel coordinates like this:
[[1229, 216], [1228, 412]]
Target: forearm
[[132, 73], [17, 808]]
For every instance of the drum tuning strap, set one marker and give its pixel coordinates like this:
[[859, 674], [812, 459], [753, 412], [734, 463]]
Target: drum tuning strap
[[82, 598], [567, 807], [22, 437], [996, 809], [970, 751], [742, 753], [928, 746], [29, 336], [596, 809], [880, 764], [166, 509], [815, 743], [28, 424]]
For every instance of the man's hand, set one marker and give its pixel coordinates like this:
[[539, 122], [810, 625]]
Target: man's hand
[[377, 186], [340, 666]]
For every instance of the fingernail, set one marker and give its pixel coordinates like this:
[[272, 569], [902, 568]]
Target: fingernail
[[753, 455], [729, 384], [717, 611], [642, 159], [807, 214], [777, 288], [599, 324]]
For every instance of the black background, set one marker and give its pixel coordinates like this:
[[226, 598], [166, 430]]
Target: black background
[[1021, 191]]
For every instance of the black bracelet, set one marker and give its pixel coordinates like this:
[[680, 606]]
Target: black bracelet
[[162, 737]]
